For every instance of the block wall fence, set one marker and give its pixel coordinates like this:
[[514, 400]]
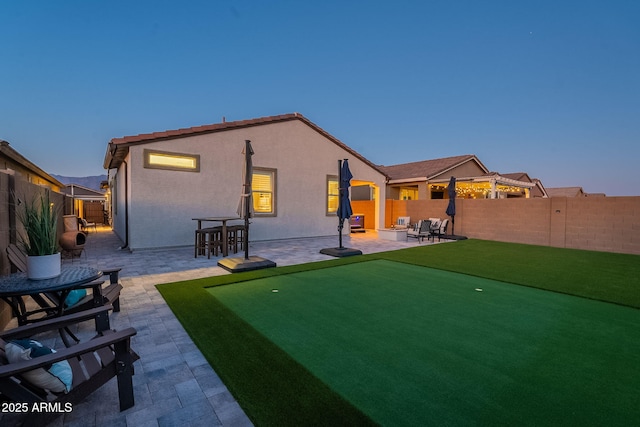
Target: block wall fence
[[9, 186], [609, 224]]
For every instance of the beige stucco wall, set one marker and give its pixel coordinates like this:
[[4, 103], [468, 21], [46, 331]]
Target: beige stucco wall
[[468, 169], [163, 203]]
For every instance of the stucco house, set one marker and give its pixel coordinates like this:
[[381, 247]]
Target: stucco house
[[13, 162], [566, 192], [23, 179], [159, 182], [429, 179], [538, 190], [88, 203]]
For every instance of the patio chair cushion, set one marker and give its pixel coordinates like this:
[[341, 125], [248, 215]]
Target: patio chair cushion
[[74, 296], [56, 378]]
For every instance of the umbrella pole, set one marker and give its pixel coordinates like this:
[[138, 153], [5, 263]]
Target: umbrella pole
[[246, 238], [247, 209], [340, 220]]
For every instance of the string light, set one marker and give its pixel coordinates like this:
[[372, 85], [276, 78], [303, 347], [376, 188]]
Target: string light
[[479, 190]]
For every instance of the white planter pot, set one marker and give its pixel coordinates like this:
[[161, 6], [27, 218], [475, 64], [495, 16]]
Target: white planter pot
[[43, 267]]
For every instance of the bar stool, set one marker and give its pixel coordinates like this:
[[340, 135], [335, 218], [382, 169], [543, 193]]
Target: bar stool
[[236, 237], [214, 241], [208, 240]]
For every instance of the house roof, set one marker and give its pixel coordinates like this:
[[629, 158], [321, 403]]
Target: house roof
[[538, 189], [79, 191], [118, 147], [19, 159], [428, 169], [518, 176], [565, 192]]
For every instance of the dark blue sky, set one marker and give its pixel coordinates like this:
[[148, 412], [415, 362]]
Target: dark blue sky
[[551, 88]]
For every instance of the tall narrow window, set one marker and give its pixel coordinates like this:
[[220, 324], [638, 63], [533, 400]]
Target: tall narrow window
[[263, 186], [333, 194]]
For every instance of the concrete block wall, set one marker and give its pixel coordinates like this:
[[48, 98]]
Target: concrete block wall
[[610, 224], [24, 190], [5, 310], [508, 220]]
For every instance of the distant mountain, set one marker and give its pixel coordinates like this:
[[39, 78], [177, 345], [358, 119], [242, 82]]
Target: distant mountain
[[92, 182]]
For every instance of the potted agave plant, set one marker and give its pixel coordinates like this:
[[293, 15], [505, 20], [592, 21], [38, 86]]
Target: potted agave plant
[[39, 240]]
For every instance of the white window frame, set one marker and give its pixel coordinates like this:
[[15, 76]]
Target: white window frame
[[273, 173], [332, 178]]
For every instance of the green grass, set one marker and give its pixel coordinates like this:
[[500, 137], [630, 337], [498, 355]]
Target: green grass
[[276, 388]]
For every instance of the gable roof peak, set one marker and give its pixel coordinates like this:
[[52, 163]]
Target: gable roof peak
[[118, 147], [215, 127], [429, 168]]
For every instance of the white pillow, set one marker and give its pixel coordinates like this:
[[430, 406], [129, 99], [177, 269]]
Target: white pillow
[[56, 378]]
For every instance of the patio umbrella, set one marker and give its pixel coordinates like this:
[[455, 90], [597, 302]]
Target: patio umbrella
[[245, 208], [245, 205], [344, 204], [344, 210], [451, 208]]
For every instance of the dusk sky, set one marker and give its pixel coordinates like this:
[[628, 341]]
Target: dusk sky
[[551, 88]]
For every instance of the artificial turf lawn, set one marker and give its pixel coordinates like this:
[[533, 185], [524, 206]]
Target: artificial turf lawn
[[410, 345], [274, 389]]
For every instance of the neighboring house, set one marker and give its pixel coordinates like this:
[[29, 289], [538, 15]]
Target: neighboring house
[[538, 190], [87, 202], [13, 162], [429, 179], [22, 178], [160, 181], [566, 192]]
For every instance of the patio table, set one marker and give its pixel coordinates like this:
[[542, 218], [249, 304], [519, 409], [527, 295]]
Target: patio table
[[223, 220], [15, 287]]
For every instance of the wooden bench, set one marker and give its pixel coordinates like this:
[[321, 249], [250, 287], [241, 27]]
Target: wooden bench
[[93, 364]]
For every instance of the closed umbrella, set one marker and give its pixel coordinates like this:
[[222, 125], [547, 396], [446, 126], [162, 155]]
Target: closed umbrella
[[344, 210], [344, 204], [245, 208], [451, 207], [245, 205]]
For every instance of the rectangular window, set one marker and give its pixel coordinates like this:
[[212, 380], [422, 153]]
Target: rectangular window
[[263, 185], [171, 161], [333, 194], [408, 193]]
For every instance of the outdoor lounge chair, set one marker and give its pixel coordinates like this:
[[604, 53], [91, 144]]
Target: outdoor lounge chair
[[92, 364], [440, 230], [110, 292], [420, 230], [85, 226]]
